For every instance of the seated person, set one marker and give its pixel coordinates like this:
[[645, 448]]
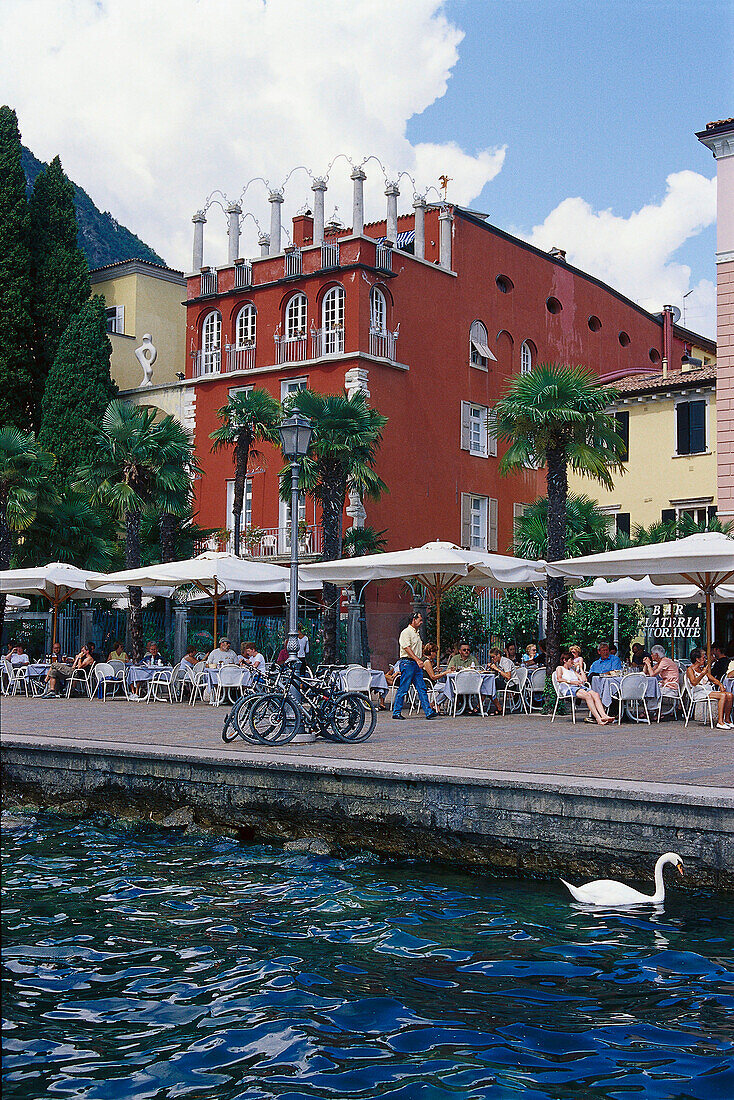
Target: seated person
[[18, 655], [638, 656], [280, 659], [189, 659], [153, 656], [511, 653], [463, 659], [530, 655], [666, 670], [703, 685], [540, 659], [61, 671], [56, 654], [720, 662], [606, 661], [430, 663], [117, 653], [571, 682], [253, 659], [578, 660], [501, 666], [222, 655]]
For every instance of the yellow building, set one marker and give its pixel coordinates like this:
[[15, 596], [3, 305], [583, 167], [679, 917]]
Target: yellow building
[[143, 298], [668, 420]]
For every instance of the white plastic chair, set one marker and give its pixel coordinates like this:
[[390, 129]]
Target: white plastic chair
[[535, 685], [162, 686], [468, 682], [693, 702], [631, 689], [230, 679], [17, 678], [107, 679], [672, 694], [515, 686], [200, 682], [563, 691], [79, 676]]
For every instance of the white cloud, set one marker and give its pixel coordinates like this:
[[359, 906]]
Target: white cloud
[[152, 106], [636, 254]]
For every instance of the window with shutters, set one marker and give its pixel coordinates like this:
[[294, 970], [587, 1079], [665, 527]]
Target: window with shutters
[[690, 427], [478, 522], [246, 326], [475, 436], [479, 353], [518, 511], [622, 523], [115, 319], [246, 513], [622, 424]]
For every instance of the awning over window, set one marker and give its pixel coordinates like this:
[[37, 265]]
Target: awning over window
[[482, 350], [403, 240]]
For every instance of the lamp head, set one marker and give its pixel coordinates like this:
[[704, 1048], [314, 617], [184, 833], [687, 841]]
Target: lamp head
[[295, 437]]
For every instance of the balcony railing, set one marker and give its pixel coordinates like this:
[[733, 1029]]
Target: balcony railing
[[383, 258], [291, 349], [383, 344], [329, 255], [207, 362], [273, 542], [240, 358], [294, 262], [242, 275], [208, 282], [326, 341]]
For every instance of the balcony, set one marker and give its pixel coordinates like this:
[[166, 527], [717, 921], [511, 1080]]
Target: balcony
[[383, 258], [291, 349], [267, 542], [207, 362], [293, 262], [208, 283], [242, 275], [242, 358], [383, 344], [329, 255], [327, 341]]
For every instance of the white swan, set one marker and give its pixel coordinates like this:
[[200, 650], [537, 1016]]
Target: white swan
[[607, 891]]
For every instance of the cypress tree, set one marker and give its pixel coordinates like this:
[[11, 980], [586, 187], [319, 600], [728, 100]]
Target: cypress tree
[[59, 270], [16, 328], [78, 388]]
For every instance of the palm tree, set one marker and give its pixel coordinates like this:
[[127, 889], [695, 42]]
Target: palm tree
[[346, 437], [556, 416], [132, 471], [24, 466], [174, 504], [80, 533], [247, 418], [587, 529]]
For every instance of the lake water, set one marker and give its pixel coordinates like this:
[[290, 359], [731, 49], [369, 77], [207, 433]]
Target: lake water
[[138, 965]]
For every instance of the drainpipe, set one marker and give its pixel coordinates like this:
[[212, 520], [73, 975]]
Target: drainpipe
[[275, 198], [358, 176], [391, 226], [419, 221], [199, 220], [319, 189], [233, 212], [667, 338]]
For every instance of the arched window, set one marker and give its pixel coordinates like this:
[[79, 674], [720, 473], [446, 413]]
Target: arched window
[[378, 312], [332, 313], [246, 326], [296, 313], [479, 353], [526, 358], [211, 342]]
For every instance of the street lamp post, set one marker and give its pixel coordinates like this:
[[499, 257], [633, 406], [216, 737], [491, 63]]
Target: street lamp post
[[295, 438]]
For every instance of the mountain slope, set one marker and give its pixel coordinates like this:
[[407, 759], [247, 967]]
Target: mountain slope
[[101, 239]]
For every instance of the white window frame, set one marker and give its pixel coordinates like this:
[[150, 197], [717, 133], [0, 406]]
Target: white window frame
[[478, 333], [284, 522], [115, 315], [378, 312], [239, 389], [526, 358], [211, 341], [473, 415], [289, 386], [246, 327], [479, 522], [332, 320], [296, 317]]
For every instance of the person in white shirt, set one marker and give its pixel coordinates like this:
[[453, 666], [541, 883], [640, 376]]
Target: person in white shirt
[[18, 656], [303, 648], [222, 655], [253, 659]]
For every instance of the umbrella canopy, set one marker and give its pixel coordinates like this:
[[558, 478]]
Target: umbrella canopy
[[215, 573], [628, 591], [57, 582], [705, 561], [16, 603], [437, 565]]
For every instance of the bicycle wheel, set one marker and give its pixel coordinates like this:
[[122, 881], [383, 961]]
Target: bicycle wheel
[[353, 718], [236, 722], [274, 719]]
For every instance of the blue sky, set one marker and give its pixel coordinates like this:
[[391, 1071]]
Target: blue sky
[[595, 99]]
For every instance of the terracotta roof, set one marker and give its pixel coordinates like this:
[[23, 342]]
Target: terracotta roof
[[135, 260], [675, 379], [721, 122]]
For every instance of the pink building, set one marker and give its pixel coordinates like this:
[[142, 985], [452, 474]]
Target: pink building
[[719, 138]]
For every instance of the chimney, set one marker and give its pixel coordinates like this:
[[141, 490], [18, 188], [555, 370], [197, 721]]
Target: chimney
[[303, 229], [199, 220], [419, 223], [391, 226], [319, 190], [557, 253], [233, 211], [264, 241], [275, 198], [358, 176], [668, 334], [445, 218]]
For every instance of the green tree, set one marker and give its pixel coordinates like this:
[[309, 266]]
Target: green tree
[[175, 503], [78, 532], [16, 325], [59, 271], [78, 388], [247, 419], [515, 617], [347, 434], [461, 619], [587, 623], [24, 466], [130, 473], [587, 529], [556, 416]]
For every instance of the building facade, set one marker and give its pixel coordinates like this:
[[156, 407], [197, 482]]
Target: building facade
[[432, 329]]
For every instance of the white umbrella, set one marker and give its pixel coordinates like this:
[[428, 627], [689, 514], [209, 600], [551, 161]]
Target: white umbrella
[[705, 561], [57, 582], [629, 591], [215, 573], [16, 603], [437, 565]]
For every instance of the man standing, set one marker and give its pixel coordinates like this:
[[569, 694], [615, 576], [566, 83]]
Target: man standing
[[606, 662], [411, 668]]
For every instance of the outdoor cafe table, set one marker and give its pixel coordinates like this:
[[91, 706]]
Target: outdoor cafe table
[[603, 684], [445, 687], [378, 681], [213, 678]]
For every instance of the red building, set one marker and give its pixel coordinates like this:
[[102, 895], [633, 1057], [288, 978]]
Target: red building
[[432, 328]]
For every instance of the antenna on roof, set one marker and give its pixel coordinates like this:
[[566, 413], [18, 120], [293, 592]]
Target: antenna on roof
[[676, 314]]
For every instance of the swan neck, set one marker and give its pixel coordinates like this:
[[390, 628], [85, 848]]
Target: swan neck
[[659, 894]]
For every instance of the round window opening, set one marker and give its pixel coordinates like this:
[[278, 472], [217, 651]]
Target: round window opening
[[504, 284], [594, 323], [654, 355], [624, 339], [553, 305]]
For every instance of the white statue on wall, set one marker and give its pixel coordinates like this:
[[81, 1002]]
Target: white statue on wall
[[146, 355]]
